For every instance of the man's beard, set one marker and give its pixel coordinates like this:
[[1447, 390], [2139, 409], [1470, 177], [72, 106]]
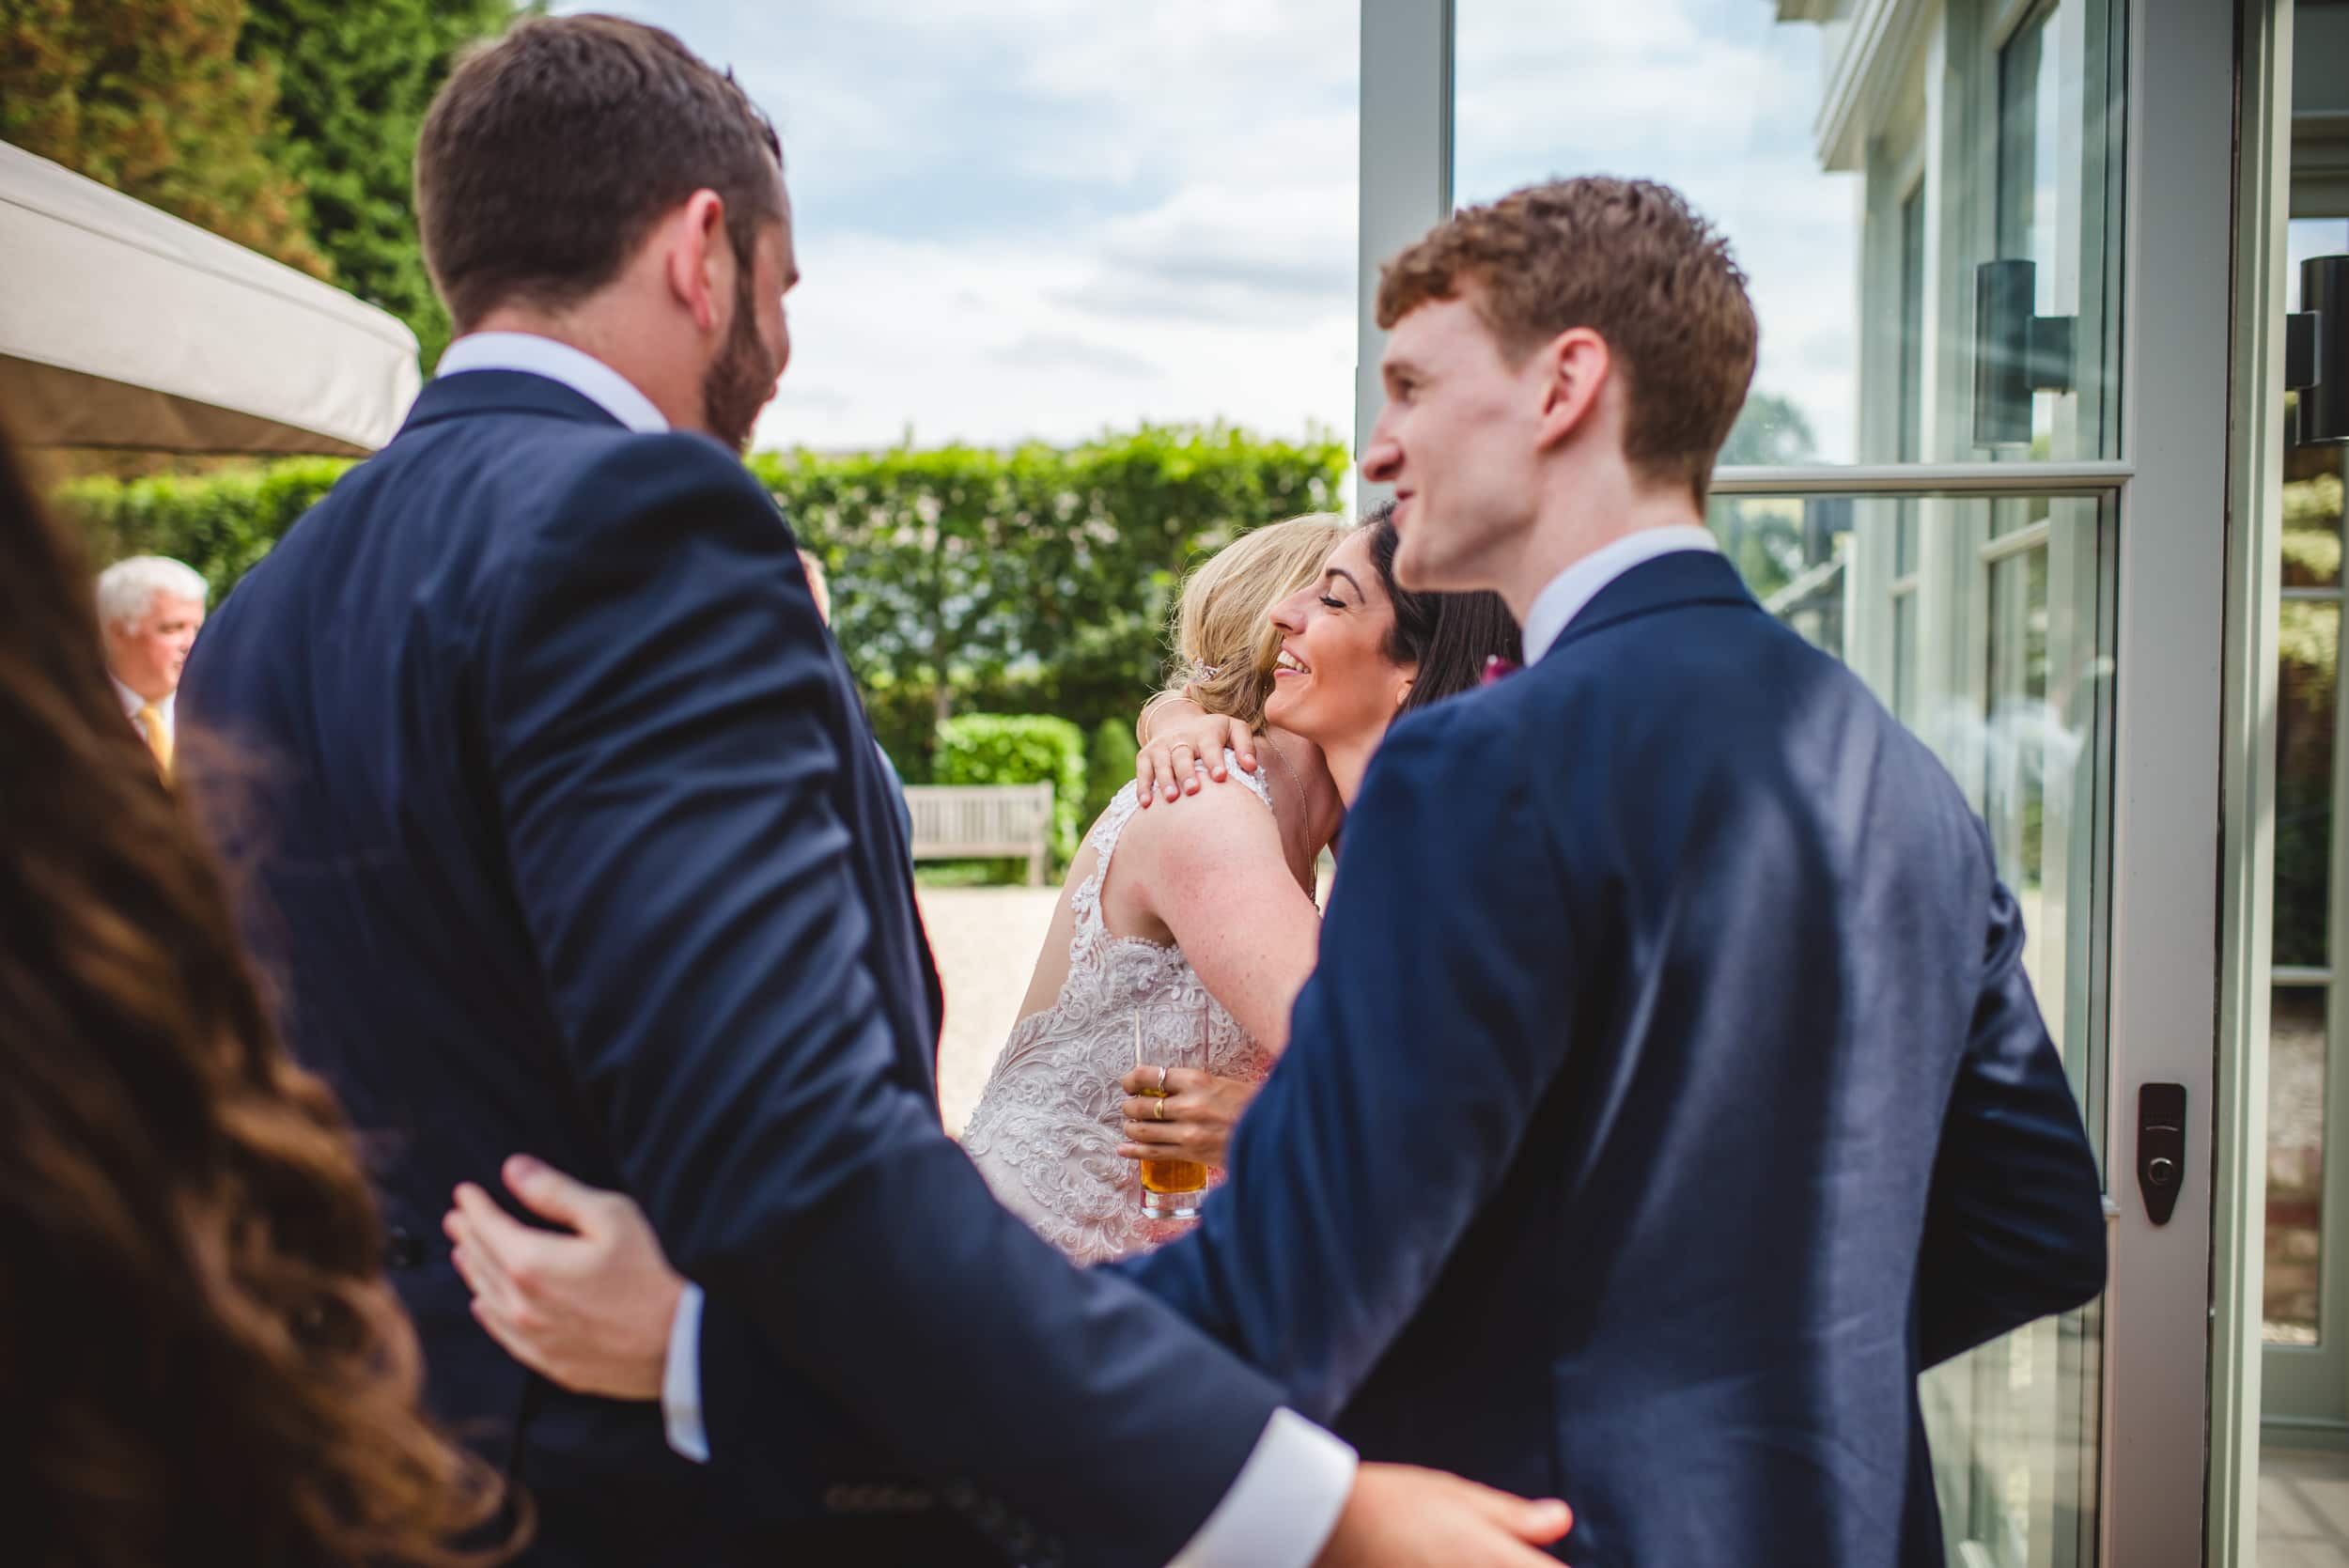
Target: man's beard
[[740, 380]]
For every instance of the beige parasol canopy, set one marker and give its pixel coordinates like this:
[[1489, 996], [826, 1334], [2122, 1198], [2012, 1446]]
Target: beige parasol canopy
[[122, 326]]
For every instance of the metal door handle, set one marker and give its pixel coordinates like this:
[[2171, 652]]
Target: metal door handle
[[2160, 1147]]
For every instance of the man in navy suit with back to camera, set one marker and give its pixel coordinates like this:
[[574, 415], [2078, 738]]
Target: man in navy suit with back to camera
[[570, 836]]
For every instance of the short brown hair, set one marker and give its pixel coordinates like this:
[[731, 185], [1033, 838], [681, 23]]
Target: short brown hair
[[550, 153], [1632, 261]]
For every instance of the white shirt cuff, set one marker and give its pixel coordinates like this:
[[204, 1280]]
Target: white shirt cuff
[[1286, 1500], [681, 1380], [1279, 1512]]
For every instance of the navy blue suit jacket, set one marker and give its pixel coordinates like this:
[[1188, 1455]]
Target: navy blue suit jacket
[[571, 838], [1670, 1093]]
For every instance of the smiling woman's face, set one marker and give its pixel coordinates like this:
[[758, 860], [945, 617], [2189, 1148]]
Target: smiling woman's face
[[1334, 682]]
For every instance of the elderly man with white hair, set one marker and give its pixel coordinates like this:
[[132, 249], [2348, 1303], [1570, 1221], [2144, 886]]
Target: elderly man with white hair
[[150, 607]]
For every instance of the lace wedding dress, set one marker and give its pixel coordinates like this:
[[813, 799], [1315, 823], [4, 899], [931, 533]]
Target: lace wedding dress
[[1046, 1130]]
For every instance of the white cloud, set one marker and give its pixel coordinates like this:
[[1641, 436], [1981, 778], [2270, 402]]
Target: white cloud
[[1041, 217], [1713, 97], [1038, 218], [1043, 350], [1227, 254], [969, 342]]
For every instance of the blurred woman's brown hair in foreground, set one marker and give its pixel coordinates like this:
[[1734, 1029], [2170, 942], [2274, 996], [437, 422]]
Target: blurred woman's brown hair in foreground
[[200, 1359]]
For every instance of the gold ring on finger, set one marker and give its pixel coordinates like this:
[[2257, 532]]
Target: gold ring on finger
[[1157, 1108]]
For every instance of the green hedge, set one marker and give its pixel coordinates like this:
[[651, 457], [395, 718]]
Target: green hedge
[[1030, 580], [218, 524], [1033, 581], [1019, 748]]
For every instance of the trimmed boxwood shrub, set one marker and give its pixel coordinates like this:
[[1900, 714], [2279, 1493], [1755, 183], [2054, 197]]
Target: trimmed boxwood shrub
[[1019, 748], [1109, 765]]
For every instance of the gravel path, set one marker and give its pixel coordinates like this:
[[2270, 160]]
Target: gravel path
[[986, 941]]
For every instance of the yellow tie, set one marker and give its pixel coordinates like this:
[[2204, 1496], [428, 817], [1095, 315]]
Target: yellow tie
[[157, 737]]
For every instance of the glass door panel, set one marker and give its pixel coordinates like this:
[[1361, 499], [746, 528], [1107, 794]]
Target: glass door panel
[[1928, 197], [2297, 1027], [2303, 1512], [2305, 1379], [1935, 240], [1831, 152], [2006, 672]]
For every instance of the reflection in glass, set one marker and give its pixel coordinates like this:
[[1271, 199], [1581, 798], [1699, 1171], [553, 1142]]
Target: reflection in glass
[[1912, 445], [2295, 1162], [2016, 703], [2313, 474], [2307, 655], [2014, 798], [1791, 553], [2305, 1366], [2312, 517], [2028, 136], [1859, 217], [1904, 671], [2012, 516]]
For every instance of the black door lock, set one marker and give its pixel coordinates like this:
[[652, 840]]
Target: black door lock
[[2160, 1147]]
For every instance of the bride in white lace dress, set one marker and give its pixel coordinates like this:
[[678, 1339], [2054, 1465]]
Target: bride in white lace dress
[[1200, 921]]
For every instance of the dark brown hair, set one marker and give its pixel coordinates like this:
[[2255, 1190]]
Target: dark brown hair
[[1450, 637], [550, 153], [1627, 258], [201, 1359]]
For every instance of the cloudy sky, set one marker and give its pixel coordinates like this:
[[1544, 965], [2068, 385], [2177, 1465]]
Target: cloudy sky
[[1042, 218]]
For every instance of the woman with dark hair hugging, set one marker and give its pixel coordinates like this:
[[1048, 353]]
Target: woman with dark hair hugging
[[201, 1359]]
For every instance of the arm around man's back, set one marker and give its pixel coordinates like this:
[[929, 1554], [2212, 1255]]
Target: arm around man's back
[[665, 745]]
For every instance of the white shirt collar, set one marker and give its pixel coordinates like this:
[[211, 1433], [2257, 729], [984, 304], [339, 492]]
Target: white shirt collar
[[133, 702], [558, 361], [1558, 604]]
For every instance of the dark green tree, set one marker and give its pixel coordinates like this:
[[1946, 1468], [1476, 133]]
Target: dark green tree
[[1764, 540], [152, 98], [354, 84], [1771, 432]]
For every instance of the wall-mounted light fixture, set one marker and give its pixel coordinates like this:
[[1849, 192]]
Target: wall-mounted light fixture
[[2016, 353], [2316, 354]]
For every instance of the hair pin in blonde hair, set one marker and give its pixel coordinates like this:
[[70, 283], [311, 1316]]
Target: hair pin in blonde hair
[[1225, 639]]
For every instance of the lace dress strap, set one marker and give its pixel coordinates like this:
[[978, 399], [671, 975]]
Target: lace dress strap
[[1085, 903]]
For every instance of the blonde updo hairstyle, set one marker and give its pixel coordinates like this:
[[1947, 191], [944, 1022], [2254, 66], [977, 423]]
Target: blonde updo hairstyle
[[1225, 642]]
